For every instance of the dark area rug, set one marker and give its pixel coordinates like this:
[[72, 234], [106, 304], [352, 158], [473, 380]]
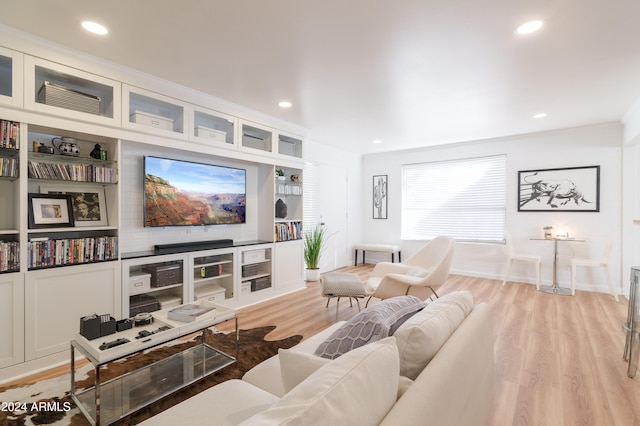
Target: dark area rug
[[252, 349]]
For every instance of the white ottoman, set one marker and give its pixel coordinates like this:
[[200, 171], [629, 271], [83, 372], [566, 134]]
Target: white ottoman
[[342, 284]]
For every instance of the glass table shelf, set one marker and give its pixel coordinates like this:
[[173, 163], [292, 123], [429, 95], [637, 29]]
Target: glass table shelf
[[130, 392]]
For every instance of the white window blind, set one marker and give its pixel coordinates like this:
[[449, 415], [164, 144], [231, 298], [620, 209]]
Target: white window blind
[[310, 197], [465, 199]]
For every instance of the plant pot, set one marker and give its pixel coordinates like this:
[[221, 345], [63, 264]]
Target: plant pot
[[312, 274]]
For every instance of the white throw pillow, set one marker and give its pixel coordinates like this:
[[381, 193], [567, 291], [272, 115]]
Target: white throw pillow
[[420, 338], [359, 388], [296, 366]]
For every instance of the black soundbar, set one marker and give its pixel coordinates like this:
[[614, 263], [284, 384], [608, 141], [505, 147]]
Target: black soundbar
[[191, 246]]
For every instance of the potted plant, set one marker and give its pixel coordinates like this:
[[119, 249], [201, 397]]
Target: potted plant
[[313, 245], [279, 174]]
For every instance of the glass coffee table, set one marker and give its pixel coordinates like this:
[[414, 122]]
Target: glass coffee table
[[108, 401]]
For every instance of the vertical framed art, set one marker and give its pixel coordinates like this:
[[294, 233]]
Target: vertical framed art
[[380, 197]]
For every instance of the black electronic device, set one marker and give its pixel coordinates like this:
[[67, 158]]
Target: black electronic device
[[191, 246], [142, 303], [164, 274], [113, 343], [191, 183]]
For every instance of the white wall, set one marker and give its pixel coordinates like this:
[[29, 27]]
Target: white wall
[[584, 146]]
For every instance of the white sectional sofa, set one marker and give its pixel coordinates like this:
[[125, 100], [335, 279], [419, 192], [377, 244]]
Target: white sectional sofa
[[384, 382]]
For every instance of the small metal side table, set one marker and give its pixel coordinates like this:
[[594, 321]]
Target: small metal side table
[[632, 325]]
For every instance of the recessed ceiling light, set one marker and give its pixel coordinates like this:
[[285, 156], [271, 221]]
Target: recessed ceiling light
[[541, 115], [284, 104], [529, 27], [377, 141], [95, 28]]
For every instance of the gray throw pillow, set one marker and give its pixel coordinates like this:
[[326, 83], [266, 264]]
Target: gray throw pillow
[[374, 323]]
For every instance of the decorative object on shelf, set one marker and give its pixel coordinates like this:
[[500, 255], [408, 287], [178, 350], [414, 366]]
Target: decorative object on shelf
[[279, 174], [313, 246], [295, 178], [281, 209], [380, 197], [96, 152], [50, 211], [548, 231], [43, 149], [89, 207], [67, 146], [64, 97], [572, 189]]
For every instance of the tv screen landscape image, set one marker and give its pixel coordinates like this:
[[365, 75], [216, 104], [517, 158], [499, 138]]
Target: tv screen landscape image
[[183, 193]]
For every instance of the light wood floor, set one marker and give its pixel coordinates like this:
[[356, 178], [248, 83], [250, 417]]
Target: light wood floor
[[558, 358]]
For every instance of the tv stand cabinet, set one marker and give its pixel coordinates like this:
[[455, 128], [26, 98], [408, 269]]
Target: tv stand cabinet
[[234, 276]]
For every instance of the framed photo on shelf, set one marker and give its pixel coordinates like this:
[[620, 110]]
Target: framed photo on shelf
[[380, 197], [50, 211], [572, 189], [88, 207]]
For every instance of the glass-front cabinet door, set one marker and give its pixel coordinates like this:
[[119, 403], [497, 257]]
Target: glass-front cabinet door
[[214, 128], [10, 77], [256, 138], [71, 93]]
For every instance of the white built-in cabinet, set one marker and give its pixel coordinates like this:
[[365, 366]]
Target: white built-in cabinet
[[43, 297], [56, 299], [234, 276], [11, 319]]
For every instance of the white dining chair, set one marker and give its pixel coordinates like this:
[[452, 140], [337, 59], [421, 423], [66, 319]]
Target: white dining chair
[[514, 257], [602, 262]]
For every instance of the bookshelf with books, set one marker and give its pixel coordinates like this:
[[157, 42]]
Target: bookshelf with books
[[83, 187], [9, 191], [70, 233], [288, 204]]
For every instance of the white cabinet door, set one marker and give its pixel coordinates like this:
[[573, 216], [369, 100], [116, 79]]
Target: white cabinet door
[[289, 265], [11, 319], [56, 299]]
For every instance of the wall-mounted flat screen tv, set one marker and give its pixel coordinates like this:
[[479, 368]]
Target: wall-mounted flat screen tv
[[184, 193]]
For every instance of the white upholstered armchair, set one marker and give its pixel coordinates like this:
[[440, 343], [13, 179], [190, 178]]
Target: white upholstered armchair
[[419, 276]]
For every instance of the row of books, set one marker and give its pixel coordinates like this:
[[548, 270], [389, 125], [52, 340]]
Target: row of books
[[71, 251], [9, 256], [72, 172], [9, 134], [287, 231], [9, 167], [287, 189]]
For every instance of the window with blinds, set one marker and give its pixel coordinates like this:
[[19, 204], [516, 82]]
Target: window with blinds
[[465, 199]]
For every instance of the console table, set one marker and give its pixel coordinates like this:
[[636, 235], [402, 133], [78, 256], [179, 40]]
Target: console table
[[109, 401], [632, 325]]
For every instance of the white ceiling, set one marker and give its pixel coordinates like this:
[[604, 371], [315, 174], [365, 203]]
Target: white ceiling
[[407, 72]]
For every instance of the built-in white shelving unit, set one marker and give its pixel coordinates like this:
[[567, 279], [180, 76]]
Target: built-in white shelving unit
[[65, 271]]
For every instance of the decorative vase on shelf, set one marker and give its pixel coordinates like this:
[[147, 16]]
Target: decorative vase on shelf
[[281, 209], [96, 152]]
